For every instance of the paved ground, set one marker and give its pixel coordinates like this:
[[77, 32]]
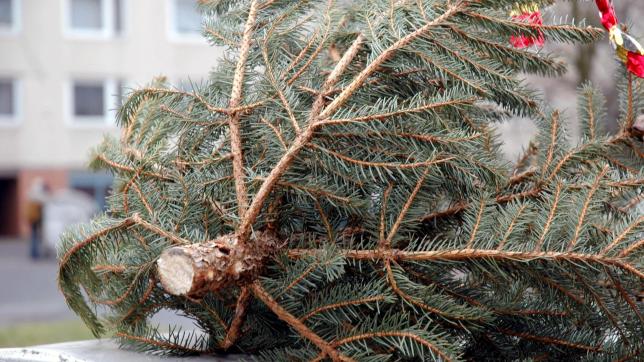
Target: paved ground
[[29, 293], [95, 351]]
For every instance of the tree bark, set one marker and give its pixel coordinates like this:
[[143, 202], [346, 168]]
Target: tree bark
[[196, 269]]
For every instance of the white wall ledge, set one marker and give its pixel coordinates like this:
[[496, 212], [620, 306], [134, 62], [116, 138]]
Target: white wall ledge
[[94, 351]]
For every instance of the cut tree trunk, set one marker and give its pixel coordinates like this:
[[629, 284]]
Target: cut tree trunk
[[196, 269]]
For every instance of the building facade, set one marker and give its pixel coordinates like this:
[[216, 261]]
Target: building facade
[[64, 68]]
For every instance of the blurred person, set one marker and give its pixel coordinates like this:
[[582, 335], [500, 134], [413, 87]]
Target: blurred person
[[62, 209], [38, 195]]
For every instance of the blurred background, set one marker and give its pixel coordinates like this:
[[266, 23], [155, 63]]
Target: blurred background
[[65, 66]]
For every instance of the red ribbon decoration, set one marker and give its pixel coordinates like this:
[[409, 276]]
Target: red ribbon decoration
[[607, 12], [629, 51], [635, 64], [529, 14]]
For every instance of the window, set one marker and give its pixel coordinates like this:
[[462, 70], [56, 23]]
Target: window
[[185, 19], [117, 16], [95, 17], [93, 102], [87, 15], [89, 100], [8, 101], [6, 12], [9, 16]]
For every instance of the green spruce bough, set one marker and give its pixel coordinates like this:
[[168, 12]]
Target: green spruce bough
[[335, 191]]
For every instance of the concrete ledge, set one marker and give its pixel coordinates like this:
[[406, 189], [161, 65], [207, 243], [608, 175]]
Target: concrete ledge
[[103, 350]]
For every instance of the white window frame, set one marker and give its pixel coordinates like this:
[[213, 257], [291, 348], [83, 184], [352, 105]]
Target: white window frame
[[171, 26], [15, 119], [107, 31], [107, 120], [16, 18]]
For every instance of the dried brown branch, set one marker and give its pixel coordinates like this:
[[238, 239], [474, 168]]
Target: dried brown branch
[[205, 162], [324, 218], [232, 333], [280, 94], [144, 297], [418, 137], [630, 115], [551, 217], [109, 268], [553, 141], [414, 301], [382, 116], [313, 56], [235, 100], [455, 75], [227, 111], [126, 189], [625, 295], [92, 238], [298, 279], [312, 191], [298, 144], [571, 295], [126, 134], [383, 213], [632, 203], [550, 340], [584, 209], [622, 236], [508, 232], [636, 246], [374, 299], [601, 305], [214, 314], [444, 356], [392, 165], [519, 178], [162, 344], [295, 323], [219, 36], [277, 132], [383, 57], [465, 254], [175, 239], [321, 113], [477, 223], [185, 117], [520, 195], [124, 295], [121, 167], [525, 159], [591, 115], [450, 211], [405, 208], [143, 199], [301, 54]]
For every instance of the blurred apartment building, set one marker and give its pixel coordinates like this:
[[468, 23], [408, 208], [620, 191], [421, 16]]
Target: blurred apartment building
[[64, 66]]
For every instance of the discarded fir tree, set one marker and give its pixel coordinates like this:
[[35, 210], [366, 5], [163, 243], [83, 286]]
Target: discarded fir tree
[[335, 191]]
